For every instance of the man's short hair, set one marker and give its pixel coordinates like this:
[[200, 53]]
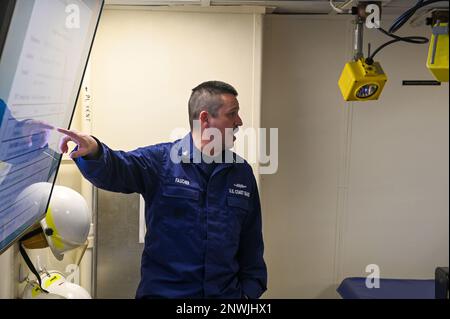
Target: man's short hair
[[206, 97]]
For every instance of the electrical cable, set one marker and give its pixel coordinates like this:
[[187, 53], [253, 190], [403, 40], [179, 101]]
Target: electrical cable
[[410, 39]]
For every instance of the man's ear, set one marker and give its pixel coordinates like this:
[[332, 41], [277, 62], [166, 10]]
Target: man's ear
[[204, 119]]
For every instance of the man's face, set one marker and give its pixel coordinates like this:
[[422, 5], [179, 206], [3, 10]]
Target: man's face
[[227, 119]]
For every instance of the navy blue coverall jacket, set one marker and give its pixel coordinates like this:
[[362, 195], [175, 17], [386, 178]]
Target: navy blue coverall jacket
[[204, 236]]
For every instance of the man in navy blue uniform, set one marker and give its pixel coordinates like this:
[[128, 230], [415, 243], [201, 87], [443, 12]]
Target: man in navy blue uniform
[[203, 214]]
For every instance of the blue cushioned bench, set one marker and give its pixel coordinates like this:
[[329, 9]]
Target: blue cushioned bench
[[355, 288]]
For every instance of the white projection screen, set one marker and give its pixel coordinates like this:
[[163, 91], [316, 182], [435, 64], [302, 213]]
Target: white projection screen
[[44, 49]]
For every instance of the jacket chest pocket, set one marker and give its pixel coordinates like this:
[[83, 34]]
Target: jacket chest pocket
[[238, 209], [179, 208]]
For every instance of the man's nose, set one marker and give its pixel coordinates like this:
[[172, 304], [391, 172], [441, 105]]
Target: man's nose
[[239, 121]]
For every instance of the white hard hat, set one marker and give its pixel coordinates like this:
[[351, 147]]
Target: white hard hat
[[67, 222], [57, 286]]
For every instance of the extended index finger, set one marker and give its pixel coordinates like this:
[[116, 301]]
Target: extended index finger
[[75, 136]]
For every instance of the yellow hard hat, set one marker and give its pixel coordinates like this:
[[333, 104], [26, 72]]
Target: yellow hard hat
[[67, 221]]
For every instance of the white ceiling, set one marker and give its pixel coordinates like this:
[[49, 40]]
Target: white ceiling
[[285, 6]]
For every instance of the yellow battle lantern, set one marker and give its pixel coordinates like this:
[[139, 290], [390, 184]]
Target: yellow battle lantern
[[361, 81]]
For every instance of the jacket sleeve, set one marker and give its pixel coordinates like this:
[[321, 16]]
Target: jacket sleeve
[[125, 172], [253, 271]]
